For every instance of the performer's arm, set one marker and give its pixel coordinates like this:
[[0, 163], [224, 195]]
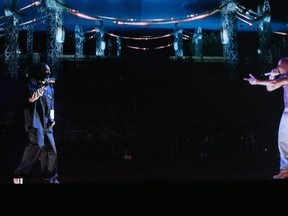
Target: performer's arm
[[270, 84], [36, 94]]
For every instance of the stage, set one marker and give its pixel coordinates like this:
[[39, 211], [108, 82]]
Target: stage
[[152, 137], [206, 170], [201, 187]]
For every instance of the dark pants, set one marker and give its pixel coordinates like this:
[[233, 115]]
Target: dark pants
[[41, 146]]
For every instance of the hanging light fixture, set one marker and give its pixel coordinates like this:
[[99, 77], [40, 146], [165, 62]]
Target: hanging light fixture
[[224, 36], [60, 35]]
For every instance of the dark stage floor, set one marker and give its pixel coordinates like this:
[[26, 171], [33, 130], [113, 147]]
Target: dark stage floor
[[203, 186], [201, 169]]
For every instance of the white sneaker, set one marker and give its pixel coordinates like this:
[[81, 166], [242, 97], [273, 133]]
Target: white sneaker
[[18, 180]]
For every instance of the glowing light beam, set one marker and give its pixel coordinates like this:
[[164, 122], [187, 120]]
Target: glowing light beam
[[34, 4]]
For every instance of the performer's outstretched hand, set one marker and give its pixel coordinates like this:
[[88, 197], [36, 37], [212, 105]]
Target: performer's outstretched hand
[[252, 80]]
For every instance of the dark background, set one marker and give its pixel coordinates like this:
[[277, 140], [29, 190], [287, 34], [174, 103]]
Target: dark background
[[152, 109], [198, 141]]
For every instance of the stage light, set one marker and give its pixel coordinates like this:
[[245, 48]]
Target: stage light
[[8, 12], [224, 36], [60, 35], [103, 45], [175, 46]]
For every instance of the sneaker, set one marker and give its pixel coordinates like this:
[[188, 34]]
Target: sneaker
[[51, 181], [54, 181], [282, 175], [18, 180]]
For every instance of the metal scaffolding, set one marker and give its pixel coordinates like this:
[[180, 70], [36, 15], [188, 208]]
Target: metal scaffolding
[[118, 44], [229, 26], [198, 42], [11, 34], [29, 50], [79, 40], [55, 34], [265, 42], [100, 39], [178, 41]]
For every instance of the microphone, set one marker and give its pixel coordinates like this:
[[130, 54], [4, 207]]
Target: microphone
[[49, 81], [274, 72], [268, 74]]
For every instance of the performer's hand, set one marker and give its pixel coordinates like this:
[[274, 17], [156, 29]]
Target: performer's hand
[[274, 72], [51, 123], [252, 80]]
